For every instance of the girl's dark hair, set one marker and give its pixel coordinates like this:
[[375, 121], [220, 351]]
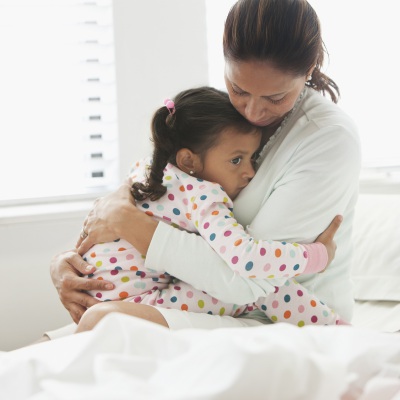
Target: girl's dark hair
[[286, 33], [200, 115]]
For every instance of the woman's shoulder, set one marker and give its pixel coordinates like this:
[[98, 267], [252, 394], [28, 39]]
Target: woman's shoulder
[[322, 112], [321, 128]]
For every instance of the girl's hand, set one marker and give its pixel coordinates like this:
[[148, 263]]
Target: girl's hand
[[326, 238], [67, 270]]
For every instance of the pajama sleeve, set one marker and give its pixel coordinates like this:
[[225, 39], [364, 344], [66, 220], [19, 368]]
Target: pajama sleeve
[[249, 257]]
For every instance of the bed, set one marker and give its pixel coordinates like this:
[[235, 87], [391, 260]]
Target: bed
[[376, 264], [125, 358]]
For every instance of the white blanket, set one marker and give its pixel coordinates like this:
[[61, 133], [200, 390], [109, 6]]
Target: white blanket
[[127, 358]]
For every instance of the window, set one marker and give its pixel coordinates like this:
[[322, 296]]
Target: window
[[361, 38], [58, 99]]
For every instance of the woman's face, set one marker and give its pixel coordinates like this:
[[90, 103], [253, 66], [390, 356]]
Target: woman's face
[[260, 92]]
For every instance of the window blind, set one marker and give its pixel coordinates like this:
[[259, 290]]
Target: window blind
[[58, 118]]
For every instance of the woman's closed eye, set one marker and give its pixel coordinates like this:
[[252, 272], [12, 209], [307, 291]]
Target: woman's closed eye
[[237, 91], [277, 101]]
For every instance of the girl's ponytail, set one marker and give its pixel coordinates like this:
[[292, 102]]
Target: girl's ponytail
[[164, 147]]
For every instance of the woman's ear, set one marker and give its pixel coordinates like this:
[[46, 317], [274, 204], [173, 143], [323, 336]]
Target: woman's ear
[[188, 161], [310, 72]]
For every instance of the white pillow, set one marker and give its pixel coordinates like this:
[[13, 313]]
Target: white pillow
[[376, 263]]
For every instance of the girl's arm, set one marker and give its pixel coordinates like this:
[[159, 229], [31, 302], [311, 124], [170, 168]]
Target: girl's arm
[[251, 257]]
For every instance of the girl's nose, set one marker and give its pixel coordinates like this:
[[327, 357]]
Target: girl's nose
[[250, 171]]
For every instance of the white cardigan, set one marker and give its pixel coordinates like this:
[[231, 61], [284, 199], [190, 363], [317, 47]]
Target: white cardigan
[[308, 174]]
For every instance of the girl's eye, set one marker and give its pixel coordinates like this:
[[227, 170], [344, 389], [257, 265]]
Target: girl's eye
[[236, 161]]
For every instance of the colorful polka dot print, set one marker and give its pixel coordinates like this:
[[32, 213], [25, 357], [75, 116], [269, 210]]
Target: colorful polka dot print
[[203, 207]]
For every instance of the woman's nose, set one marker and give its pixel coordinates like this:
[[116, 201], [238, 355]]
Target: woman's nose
[[255, 111]]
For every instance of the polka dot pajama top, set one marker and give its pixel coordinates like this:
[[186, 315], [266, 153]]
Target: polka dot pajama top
[[204, 208]]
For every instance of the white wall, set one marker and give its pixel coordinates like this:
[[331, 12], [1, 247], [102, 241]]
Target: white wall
[[29, 302], [160, 50]]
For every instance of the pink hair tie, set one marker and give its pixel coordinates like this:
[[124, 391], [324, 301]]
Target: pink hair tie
[[170, 105]]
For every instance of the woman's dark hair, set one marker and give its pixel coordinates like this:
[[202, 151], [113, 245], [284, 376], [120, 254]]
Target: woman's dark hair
[[200, 115], [286, 33]]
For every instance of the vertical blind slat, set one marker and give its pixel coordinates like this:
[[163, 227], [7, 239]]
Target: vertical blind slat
[[58, 87]]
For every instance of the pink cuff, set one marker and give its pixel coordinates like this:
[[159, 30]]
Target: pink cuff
[[317, 258], [341, 322]]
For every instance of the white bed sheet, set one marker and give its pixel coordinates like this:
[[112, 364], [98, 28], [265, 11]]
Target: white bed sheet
[[383, 316], [128, 358]]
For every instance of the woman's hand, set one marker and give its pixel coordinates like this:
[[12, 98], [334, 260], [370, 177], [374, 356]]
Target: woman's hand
[[66, 270], [115, 216], [326, 238], [108, 219]]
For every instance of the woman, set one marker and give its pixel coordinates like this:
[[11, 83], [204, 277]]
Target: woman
[[308, 174]]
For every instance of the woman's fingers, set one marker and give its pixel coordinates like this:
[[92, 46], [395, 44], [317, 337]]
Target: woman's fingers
[[73, 283], [66, 272], [85, 245], [83, 234], [81, 238], [72, 294], [97, 228], [78, 263]]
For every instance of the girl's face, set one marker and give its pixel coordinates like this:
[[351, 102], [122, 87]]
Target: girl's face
[[230, 162], [260, 92]]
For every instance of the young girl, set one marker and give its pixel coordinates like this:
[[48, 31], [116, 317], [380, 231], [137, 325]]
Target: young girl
[[199, 138]]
